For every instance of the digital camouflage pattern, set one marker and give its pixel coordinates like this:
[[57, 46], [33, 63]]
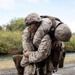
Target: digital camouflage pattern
[[27, 37], [57, 59], [63, 33], [35, 56], [43, 43], [31, 18], [42, 31]]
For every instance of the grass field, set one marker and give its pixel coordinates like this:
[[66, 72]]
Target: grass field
[[69, 59], [10, 63], [6, 64]]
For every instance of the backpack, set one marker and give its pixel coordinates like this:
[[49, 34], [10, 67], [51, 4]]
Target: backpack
[[54, 26]]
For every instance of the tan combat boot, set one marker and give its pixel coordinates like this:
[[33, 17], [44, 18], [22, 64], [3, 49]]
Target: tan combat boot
[[17, 60]]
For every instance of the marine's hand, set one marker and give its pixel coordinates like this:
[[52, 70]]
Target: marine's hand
[[26, 54]]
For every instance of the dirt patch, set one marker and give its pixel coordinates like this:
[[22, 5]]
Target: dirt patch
[[68, 69], [11, 71]]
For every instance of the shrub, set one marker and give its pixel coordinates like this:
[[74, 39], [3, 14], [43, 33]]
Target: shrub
[[16, 24], [9, 41], [70, 46]]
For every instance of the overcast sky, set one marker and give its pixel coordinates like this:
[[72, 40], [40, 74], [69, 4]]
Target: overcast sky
[[63, 9]]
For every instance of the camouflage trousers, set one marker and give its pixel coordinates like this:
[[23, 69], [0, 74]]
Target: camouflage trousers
[[47, 68]]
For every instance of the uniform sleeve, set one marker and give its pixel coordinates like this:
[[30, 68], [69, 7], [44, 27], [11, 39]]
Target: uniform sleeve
[[42, 52], [26, 40], [42, 30]]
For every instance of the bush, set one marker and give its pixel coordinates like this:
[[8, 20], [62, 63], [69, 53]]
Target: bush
[[16, 24], [10, 41], [70, 46]]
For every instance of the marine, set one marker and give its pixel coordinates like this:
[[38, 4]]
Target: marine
[[37, 46]]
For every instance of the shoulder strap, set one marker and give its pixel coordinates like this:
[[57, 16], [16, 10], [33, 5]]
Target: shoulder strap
[[54, 26]]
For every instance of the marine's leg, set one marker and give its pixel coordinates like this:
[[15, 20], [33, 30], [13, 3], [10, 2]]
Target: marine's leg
[[17, 59]]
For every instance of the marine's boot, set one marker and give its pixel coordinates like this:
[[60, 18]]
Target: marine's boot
[[17, 60]]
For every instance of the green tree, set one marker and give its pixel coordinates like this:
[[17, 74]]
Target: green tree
[[16, 24]]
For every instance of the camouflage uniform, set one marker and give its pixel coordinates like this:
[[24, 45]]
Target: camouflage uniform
[[61, 33], [44, 49], [43, 42]]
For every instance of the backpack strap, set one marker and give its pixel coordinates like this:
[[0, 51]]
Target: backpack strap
[[54, 26]]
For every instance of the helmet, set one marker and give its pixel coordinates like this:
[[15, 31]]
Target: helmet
[[32, 18], [63, 33]]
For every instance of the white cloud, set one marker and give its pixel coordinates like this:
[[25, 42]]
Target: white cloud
[[7, 4]]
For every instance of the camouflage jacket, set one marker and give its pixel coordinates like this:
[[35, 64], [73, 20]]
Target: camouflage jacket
[[42, 41]]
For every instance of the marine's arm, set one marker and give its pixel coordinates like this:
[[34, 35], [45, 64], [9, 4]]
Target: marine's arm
[[26, 40], [42, 30], [43, 51]]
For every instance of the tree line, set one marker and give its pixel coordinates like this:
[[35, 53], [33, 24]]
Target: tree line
[[11, 37]]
